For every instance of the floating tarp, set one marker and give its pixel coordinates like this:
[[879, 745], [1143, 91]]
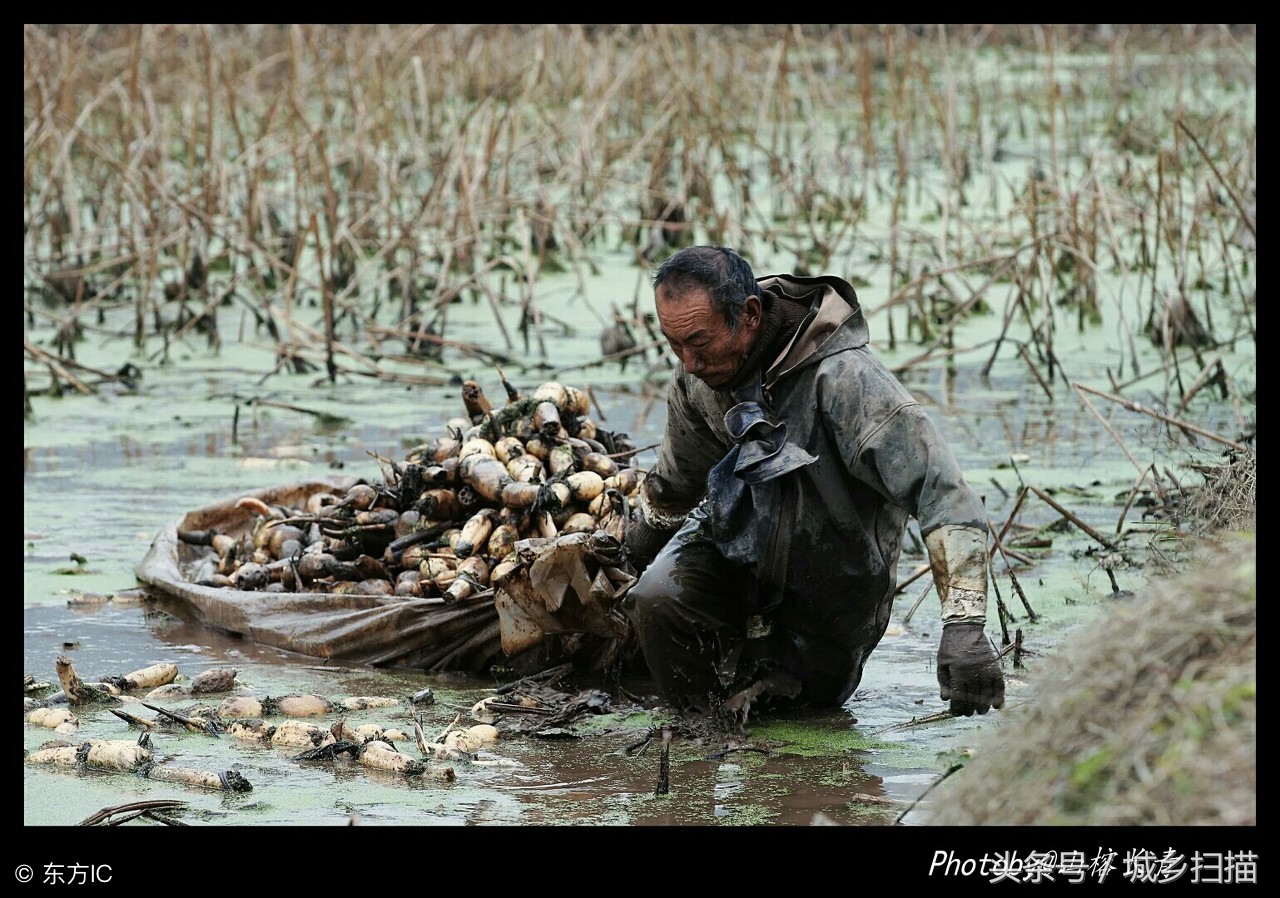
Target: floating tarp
[[391, 630]]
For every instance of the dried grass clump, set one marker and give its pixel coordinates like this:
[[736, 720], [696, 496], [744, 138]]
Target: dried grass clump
[[1145, 716], [1228, 500]]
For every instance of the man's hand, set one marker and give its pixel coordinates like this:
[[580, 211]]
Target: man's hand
[[969, 673], [642, 542]]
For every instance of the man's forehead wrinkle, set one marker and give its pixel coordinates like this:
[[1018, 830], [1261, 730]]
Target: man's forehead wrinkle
[[690, 324]]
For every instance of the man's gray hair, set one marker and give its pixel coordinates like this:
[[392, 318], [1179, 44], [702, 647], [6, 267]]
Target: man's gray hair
[[725, 275]]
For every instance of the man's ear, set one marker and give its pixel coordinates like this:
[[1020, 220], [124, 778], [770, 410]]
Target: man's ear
[[752, 310]]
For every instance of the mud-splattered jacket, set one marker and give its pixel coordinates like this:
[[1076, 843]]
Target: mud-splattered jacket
[[811, 476]]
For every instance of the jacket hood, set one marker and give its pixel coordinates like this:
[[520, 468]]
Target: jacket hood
[[838, 324]]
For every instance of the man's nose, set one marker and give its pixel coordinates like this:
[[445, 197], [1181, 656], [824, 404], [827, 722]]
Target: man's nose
[[692, 363]]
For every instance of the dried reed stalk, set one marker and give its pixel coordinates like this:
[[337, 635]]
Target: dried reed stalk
[[1168, 419], [1098, 537]]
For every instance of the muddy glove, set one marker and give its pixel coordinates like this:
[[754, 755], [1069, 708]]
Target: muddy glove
[[643, 542], [968, 669], [969, 673]]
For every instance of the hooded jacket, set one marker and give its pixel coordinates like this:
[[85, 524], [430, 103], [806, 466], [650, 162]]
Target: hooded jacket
[[809, 475]]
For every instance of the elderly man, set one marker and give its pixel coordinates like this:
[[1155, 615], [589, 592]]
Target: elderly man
[[769, 531]]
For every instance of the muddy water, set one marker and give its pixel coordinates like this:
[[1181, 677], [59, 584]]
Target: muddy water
[[104, 473]]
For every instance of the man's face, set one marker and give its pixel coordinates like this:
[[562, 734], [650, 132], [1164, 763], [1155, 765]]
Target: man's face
[[701, 338]]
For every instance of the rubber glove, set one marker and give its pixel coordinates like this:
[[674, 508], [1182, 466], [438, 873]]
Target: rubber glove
[[642, 542], [969, 673]]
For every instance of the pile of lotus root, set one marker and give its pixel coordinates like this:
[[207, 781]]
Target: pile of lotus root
[[445, 524]]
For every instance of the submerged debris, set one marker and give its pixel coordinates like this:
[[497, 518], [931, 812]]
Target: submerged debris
[[151, 810]]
